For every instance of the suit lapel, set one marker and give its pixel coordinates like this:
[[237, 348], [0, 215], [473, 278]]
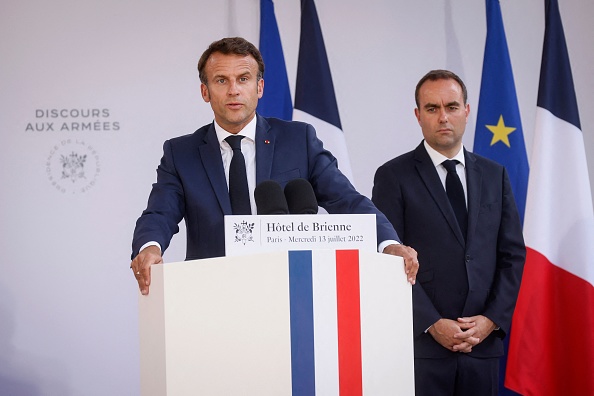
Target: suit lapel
[[430, 178], [265, 143], [210, 154], [474, 177]]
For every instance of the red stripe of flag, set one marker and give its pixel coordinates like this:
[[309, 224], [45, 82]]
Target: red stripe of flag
[[553, 311], [349, 323]]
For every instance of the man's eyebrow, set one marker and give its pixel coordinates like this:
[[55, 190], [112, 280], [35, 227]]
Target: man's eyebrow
[[450, 104]]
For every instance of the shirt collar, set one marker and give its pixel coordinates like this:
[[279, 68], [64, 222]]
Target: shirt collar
[[249, 131], [437, 158]]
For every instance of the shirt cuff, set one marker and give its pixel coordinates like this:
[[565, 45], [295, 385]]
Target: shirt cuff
[[151, 243], [383, 245]]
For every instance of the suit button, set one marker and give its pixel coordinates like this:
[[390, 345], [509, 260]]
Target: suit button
[[467, 258]]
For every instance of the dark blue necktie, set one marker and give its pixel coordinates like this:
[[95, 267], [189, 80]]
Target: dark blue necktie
[[238, 185], [455, 193]]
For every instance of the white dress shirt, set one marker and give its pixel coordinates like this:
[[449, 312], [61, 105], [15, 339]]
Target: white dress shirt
[[437, 159], [248, 149]]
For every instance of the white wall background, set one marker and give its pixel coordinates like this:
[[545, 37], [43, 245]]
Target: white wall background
[[68, 302]]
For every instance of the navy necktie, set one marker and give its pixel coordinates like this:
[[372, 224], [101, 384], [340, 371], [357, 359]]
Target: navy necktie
[[455, 193], [238, 186]]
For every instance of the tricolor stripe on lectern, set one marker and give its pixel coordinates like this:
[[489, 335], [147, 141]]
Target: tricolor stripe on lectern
[[349, 322], [302, 332], [325, 310]]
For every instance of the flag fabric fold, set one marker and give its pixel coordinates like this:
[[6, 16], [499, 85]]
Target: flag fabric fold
[[315, 101], [276, 101], [551, 349]]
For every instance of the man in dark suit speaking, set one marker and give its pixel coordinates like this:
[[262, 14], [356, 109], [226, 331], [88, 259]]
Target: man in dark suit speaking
[[193, 176], [458, 211]]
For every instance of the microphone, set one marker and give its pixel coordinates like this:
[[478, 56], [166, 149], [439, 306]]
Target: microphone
[[301, 198], [270, 198]]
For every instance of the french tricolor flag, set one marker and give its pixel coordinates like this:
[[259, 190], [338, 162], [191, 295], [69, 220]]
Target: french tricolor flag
[[315, 100], [551, 349]]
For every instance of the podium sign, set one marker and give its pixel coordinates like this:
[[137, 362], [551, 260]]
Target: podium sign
[[294, 323], [273, 233]]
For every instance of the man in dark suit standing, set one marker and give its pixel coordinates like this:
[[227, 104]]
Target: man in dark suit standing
[[193, 177], [461, 218]]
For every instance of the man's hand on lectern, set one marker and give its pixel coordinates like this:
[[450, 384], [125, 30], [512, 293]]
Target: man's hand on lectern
[[141, 266], [411, 263]]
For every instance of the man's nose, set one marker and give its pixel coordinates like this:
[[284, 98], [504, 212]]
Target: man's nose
[[233, 88]]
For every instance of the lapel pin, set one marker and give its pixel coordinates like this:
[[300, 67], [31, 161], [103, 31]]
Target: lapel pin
[[267, 141]]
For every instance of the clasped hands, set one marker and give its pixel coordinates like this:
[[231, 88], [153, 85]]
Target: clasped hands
[[463, 334]]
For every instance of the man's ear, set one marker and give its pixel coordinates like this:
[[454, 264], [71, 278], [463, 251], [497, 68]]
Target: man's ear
[[204, 92], [260, 88]]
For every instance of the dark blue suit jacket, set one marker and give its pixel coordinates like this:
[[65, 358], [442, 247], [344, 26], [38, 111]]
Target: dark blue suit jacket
[[191, 185], [479, 276]]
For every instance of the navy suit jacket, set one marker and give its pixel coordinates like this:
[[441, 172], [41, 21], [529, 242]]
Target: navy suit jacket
[[191, 185], [479, 276]]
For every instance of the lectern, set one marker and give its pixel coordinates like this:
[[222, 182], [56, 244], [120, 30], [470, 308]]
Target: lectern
[[304, 322]]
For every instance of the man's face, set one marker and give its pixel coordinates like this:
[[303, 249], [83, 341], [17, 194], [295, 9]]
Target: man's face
[[233, 89], [442, 115]]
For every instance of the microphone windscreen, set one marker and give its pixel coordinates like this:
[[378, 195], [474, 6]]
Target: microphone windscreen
[[270, 198], [301, 198]]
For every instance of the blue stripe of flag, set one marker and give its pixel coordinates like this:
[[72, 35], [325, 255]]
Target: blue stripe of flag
[[302, 323], [556, 91], [314, 90]]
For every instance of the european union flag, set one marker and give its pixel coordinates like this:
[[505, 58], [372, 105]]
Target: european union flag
[[276, 101], [499, 134]]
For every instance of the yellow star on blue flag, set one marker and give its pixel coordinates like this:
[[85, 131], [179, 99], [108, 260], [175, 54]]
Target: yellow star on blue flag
[[500, 132]]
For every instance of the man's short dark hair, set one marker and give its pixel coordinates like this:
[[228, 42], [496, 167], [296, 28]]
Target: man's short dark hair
[[233, 46], [440, 74]]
